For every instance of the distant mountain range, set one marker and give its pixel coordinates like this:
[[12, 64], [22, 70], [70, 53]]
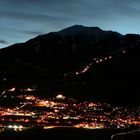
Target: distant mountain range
[[80, 61]]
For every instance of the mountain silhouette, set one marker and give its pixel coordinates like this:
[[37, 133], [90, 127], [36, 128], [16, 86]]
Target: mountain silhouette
[[86, 62]]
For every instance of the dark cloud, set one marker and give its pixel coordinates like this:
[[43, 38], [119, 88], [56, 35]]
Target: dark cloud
[[33, 32], [3, 42], [74, 10]]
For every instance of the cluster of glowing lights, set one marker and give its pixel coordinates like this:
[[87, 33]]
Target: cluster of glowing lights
[[99, 60], [92, 104], [28, 89], [24, 89], [60, 96], [17, 113], [30, 97], [41, 103], [85, 69], [90, 125], [16, 127], [45, 103], [57, 112], [12, 89]]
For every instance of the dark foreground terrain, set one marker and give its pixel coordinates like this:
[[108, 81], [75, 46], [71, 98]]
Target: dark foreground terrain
[[78, 61], [66, 133]]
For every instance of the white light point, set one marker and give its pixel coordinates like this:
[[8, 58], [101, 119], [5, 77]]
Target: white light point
[[60, 96]]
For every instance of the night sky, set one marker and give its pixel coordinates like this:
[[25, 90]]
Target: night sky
[[21, 20]]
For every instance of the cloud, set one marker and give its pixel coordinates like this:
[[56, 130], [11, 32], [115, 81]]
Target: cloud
[[33, 32], [39, 16], [61, 11], [3, 42]]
